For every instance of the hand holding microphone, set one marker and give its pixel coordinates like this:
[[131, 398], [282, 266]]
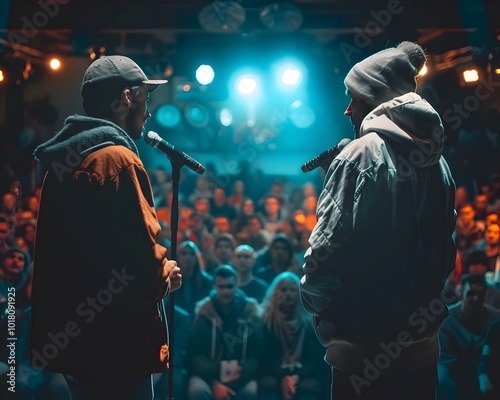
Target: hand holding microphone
[[324, 159]]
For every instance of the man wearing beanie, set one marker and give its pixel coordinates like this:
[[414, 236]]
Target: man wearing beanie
[[382, 247], [98, 271]]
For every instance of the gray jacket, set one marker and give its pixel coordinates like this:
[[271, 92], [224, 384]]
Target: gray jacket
[[382, 247]]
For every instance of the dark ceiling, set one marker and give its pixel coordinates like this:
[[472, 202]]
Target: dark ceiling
[[133, 25]]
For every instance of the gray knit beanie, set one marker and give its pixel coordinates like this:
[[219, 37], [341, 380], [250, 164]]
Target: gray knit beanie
[[387, 74]]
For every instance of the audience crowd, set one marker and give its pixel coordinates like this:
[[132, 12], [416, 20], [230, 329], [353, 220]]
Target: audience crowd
[[241, 331]]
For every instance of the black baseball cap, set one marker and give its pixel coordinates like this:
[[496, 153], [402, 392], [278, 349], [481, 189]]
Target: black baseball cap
[[116, 72]]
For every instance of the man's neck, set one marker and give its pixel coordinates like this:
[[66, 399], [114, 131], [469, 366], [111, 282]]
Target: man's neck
[[245, 278]]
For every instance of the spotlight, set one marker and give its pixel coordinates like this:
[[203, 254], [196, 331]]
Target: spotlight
[[290, 76], [423, 71], [471, 75], [205, 74], [55, 64], [2, 76], [246, 85]]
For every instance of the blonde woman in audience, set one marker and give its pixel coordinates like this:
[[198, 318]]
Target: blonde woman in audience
[[290, 350]]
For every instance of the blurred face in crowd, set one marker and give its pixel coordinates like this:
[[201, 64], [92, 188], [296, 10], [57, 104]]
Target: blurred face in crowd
[[224, 251], [202, 206], [280, 253], [33, 204], [492, 234], [30, 234], [244, 259], [14, 263], [186, 259], [195, 223], [310, 204], [248, 207], [272, 205], [473, 297], [219, 197], [9, 201], [288, 292], [225, 289], [254, 225], [466, 214], [222, 224], [480, 202]]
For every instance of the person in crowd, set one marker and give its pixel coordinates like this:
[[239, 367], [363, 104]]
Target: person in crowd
[[290, 366], [480, 203], [98, 271], [253, 233], [389, 185], [222, 225], [247, 209], [222, 349], [461, 338], [220, 206], [237, 194], [492, 218], [468, 231], [243, 261], [280, 259], [310, 204], [197, 284], [202, 207], [221, 253], [271, 214]]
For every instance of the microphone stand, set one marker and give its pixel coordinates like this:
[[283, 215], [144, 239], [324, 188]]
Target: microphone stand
[[174, 226]]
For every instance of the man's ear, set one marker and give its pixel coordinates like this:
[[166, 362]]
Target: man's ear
[[126, 97]]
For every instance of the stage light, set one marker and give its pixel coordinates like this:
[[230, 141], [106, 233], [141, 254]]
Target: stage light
[[205, 74], [196, 115], [471, 75], [497, 71], [2, 77], [168, 115], [247, 84], [225, 117], [55, 64], [290, 76]]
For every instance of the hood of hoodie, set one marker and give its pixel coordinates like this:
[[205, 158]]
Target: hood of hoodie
[[412, 125], [79, 137]]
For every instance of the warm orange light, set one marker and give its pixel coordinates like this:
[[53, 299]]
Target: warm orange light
[[471, 75], [2, 78], [423, 71], [186, 87], [55, 64], [497, 71]]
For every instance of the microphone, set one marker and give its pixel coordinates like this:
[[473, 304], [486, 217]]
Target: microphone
[[154, 140], [326, 156]]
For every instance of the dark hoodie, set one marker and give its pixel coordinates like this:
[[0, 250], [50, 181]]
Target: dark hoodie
[[216, 337], [97, 268], [382, 247]]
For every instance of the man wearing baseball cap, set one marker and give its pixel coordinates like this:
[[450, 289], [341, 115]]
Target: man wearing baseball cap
[[98, 271], [382, 247]]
